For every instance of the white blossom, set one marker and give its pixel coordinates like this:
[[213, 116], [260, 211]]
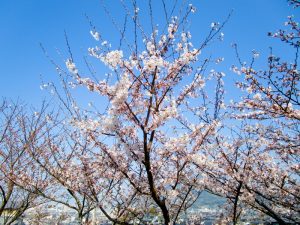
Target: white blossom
[[113, 58], [257, 96], [95, 35], [71, 66]]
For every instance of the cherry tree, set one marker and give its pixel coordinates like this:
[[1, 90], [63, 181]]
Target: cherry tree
[[49, 153], [143, 146], [34, 148], [15, 137], [271, 109], [256, 166], [250, 178]]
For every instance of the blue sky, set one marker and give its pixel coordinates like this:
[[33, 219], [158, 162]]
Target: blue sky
[[25, 24]]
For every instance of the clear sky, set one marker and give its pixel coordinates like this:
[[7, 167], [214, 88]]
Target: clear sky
[[26, 23]]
